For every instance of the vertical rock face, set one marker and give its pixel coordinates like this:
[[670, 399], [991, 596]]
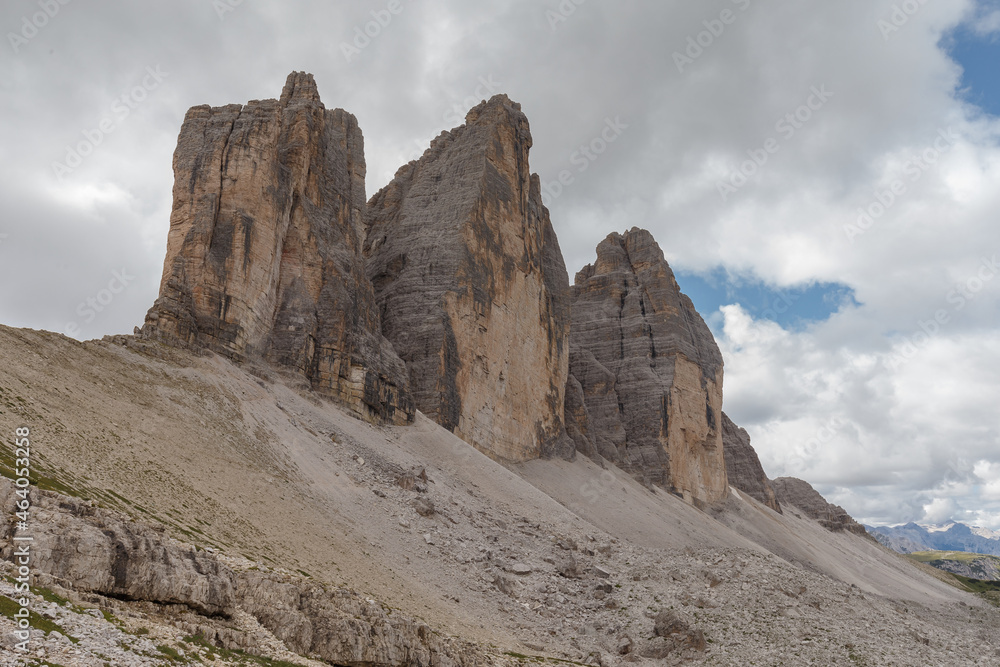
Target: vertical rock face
[[649, 371], [798, 493], [472, 287], [743, 468], [264, 250]]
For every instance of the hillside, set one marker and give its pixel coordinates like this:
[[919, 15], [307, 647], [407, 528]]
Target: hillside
[[969, 565], [252, 464]]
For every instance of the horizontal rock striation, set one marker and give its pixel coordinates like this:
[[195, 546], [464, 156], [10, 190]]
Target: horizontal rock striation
[[743, 467], [264, 250], [801, 494], [94, 550], [649, 371], [91, 550], [472, 288]]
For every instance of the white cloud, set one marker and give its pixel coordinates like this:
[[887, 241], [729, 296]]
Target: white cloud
[[939, 511]]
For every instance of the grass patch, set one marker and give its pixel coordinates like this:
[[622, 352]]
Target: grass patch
[[170, 652], [959, 556], [39, 480], [50, 596], [9, 607], [235, 654]]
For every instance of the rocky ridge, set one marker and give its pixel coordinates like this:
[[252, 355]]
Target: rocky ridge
[[800, 494]]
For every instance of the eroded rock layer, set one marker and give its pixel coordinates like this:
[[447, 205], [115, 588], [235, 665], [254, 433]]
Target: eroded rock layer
[[743, 466], [264, 249], [801, 494], [472, 287], [649, 370], [90, 550]]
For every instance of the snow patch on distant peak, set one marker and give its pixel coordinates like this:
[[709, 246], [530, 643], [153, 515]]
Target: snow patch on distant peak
[[985, 532], [930, 528]]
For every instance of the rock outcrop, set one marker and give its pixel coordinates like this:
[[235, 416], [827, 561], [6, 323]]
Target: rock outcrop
[[264, 254], [472, 287], [962, 563], [93, 550], [649, 371], [798, 493], [743, 466], [90, 550]]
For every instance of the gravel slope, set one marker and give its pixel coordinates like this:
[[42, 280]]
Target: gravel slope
[[563, 559]]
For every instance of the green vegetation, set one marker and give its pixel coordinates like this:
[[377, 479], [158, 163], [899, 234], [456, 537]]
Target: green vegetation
[[171, 653], [10, 607], [46, 481], [988, 590], [238, 657], [971, 563], [959, 556]]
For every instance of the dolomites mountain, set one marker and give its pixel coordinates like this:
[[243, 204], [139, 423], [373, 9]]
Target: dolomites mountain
[[264, 249], [274, 255], [183, 506], [743, 467], [648, 370], [472, 287]]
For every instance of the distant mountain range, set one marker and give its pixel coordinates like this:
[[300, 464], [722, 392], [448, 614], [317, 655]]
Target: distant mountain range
[[951, 536]]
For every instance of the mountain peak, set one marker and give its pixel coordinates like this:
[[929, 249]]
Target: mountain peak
[[299, 86]]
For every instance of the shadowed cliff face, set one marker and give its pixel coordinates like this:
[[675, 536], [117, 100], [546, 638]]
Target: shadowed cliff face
[[648, 369], [264, 249], [743, 466], [472, 287]]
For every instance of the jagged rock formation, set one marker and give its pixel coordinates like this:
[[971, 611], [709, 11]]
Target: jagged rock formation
[[801, 494], [85, 549], [649, 371], [743, 467], [472, 287], [264, 250]]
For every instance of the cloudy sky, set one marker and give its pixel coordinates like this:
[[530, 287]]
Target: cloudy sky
[[823, 176]]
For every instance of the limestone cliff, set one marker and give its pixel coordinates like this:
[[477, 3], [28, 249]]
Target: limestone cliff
[[264, 249], [649, 371], [743, 466], [792, 491], [472, 287]]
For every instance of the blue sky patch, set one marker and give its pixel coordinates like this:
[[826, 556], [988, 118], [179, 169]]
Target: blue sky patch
[[979, 57], [792, 308]]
